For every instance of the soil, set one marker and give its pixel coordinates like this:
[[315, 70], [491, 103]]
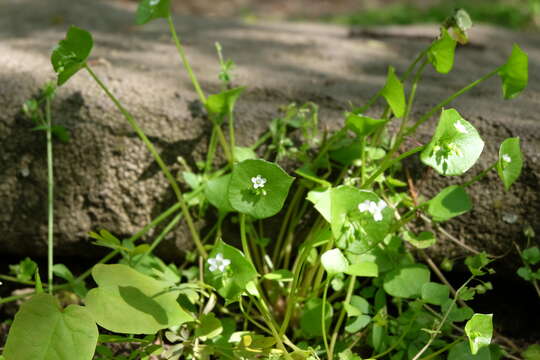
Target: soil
[[106, 179]]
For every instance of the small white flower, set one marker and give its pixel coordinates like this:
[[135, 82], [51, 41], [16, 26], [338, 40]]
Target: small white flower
[[258, 181], [374, 208], [460, 127], [506, 158], [218, 263], [154, 2]]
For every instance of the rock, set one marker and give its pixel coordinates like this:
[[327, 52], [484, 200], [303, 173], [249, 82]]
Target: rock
[[105, 178]]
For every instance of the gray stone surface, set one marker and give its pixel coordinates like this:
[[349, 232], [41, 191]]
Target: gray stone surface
[[106, 178]]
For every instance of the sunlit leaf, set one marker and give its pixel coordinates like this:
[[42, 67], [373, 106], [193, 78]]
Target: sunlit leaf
[[70, 55], [515, 73], [510, 161]]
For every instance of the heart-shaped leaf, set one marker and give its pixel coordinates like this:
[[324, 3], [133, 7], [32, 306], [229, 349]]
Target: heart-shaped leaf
[[149, 10], [510, 161], [258, 188], [452, 201], [70, 55], [515, 73], [441, 52], [129, 302], [407, 281], [455, 146], [42, 330], [228, 271], [479, 330], [222, 103], [394, 94], [363, 125]]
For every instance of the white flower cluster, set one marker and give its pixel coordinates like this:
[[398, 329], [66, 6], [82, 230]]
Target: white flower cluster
[[375, 208], [460, 127], [258, 181], [218, 263]]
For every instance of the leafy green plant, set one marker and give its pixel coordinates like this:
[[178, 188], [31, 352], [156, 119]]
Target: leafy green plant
[[336, 278]]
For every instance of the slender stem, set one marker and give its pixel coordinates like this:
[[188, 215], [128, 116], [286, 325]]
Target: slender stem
[[348, 296], [231, 134], [50, 200], [481, 175], [448, 100], [267, 135], [157, 158], [211, 151], [243, 237], [388, 163], [159, 238], [443, 349], [278, 248], [185, 61], [323, 321]]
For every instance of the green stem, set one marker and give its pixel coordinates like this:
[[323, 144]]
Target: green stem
[[448, 100], [157, 158], [211, 151], [278, 248], [443, 349], [231, 134], [323, 320], [243, 237], [185, 61], [160, 237], [481, 175], [267, 135], [50, 200], [347, 300]]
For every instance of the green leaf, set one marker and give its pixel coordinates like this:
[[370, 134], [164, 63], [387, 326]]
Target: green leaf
[[365, 268], [24, 270], [450, 202], [357, 323], [479, 330], [215, 191], [421, 241], [532, 352], [280, 275], [462, 352], [515, 73], [42, 330], [70, 55], [456, 314], [407, 281], [363, 125], [510, 161], [243, 153], [334, 262], [531, 255], [209, 327], [394, 94], [233, 280], [221, 104], [311, 319], [129, 302], [434, 293], [264, 201], [477, 262], [322, 200], [441, 52], [149, 10], [455, 146]]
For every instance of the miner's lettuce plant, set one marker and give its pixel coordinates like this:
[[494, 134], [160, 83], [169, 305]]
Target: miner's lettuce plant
[[332, 275]]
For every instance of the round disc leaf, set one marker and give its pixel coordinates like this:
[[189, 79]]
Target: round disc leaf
[[149, 10], [42, 330], [232, 278], [258, 188], [406, 282], [70, 55], [334, 262], [450, 202], [510, 161], [129, 302], [455, 146], [515, 73]]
